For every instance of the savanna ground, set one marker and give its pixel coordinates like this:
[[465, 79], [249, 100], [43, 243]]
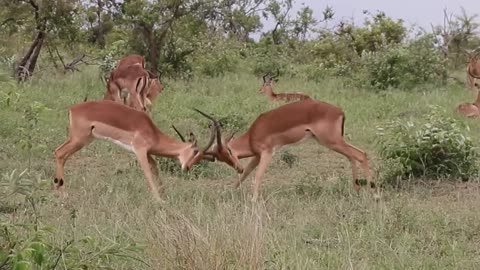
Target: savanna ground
[[309, 216]]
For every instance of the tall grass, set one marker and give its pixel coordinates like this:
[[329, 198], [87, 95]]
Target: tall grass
[[309, 216]]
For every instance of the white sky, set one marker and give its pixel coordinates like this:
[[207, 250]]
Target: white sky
[[413, 12]]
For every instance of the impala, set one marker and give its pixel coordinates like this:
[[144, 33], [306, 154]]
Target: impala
[[470, 109], [267, 89], [125, 80], [132, 59], [473, 69], [132, 130], [287, 124]]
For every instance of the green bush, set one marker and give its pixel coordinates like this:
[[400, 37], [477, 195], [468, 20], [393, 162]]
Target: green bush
[[437, 148], [401, 66]]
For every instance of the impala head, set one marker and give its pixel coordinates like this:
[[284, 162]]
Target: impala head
[[222, 150], [473, 56], [268, 80], [192, 154]]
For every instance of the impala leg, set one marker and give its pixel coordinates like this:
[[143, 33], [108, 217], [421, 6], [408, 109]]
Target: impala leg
[[142, 157], [355, 154], [262, 167], [62, 153], [154, 168], [251, 165], [470, 81]]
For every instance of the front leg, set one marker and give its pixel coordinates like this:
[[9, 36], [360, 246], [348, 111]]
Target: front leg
[[251, 165], [154, 168], [265, 158], [143, 159]]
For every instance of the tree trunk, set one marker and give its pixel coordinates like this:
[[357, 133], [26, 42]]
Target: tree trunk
[[26, 67]]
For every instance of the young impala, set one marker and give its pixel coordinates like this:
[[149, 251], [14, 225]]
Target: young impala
[[133, 85], [129, 128], [285, 125], [267, 89]]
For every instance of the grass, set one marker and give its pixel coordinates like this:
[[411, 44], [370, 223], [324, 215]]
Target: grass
[[309, 217]]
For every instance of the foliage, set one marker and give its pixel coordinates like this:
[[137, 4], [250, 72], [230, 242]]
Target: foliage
[[437, 148], [401, 66]]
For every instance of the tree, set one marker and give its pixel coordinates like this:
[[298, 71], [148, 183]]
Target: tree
[[42, 17], [153, 23]]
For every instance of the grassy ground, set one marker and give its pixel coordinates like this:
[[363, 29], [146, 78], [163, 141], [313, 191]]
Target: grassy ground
[[309, 218]]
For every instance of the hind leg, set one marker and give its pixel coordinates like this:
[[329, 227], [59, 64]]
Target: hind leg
[[355, 154], [330, 135], [62, 153]]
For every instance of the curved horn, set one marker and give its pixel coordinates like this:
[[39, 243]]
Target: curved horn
[[276, 75], [178, 133], [216, 125], [265, 76], [213, 128]]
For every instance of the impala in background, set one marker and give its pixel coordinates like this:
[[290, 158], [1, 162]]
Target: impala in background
[[473, 68], [267, 90], [133, 85], [470, 109]]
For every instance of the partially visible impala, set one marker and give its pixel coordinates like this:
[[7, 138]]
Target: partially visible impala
[[129, 128], [473, 68], [288, 124], [132, 59], [267, 89], [124, 80], [470, 109]]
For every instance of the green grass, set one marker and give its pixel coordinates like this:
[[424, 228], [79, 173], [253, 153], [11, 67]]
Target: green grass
[[309, 217]]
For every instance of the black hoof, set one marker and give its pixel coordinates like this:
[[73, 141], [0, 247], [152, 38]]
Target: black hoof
[[58, 182]]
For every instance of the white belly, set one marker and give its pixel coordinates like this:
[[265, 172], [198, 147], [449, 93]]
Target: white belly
[[126, 146]]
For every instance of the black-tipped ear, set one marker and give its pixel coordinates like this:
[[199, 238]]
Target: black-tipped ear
[[192, 138]]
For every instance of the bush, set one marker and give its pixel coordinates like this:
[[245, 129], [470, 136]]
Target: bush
[[402, 66], [436, 149]]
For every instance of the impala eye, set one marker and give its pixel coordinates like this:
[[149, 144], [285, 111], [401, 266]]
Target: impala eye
[[195, 152]]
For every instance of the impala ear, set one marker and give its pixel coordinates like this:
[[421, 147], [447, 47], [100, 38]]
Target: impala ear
[[192, 138]]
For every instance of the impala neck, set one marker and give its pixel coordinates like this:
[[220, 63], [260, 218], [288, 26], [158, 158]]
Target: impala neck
[[270, 94], [168, 147], [241, 146]]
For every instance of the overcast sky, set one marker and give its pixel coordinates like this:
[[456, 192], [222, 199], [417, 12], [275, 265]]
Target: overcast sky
[[418, 12]]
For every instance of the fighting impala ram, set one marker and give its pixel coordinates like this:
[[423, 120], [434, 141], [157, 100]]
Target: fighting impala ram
[[133, 85], [129, 128], [285, 125], [267, 89], [473, 68]]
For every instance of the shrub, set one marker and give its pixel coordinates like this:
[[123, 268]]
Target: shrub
[[402, 66], [435, 149]]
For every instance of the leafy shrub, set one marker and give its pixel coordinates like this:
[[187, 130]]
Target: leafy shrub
[[216, 57], [401, 66], [435, 149]]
